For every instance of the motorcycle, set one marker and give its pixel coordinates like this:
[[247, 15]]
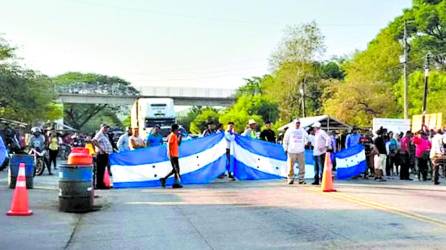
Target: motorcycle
[[39, 161], [64, 151]]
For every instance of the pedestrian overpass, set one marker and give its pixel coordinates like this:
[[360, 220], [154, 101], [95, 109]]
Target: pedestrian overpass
[[182, 96]]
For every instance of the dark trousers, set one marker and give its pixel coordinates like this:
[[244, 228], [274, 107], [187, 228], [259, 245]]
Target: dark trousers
[[422, 168], [101, 164], [318, 166], [404, 163], [53, 156], [175, 169], [391, 160]]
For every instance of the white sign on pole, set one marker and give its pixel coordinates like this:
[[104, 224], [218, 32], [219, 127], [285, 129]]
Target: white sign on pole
[[394, 125]]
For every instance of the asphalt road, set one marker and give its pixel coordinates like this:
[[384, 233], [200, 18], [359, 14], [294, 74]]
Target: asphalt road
[[235, 215]]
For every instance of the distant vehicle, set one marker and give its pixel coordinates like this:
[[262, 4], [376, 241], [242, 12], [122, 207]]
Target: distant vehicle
[[165, 131], [148, 112]]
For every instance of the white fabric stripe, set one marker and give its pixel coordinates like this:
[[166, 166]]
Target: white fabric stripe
[[268, 165], [21, 184], [146, 172], [350, 161]]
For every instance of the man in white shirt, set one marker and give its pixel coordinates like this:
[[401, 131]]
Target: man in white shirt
[[322, 142], [230, 137], [437, 154], [123, 142], [294, 146]]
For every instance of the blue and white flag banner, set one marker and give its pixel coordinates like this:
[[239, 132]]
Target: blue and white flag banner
[[260, 160], [201, 161], [350, 162], [204, 159]]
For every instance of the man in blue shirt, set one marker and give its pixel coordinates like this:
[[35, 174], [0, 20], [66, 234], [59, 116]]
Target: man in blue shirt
[[154, 138], [353, 138]]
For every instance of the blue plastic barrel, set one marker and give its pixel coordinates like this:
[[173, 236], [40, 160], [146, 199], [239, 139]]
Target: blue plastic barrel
[[13, 172], [76, 188]]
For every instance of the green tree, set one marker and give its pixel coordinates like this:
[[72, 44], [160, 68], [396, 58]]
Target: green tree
[[205, 116], [78, 115], [25, 94], [436, 96]]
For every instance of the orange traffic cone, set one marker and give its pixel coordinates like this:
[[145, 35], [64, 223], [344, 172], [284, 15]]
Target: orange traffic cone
[[19, 205], [327, 178], [107, 181]]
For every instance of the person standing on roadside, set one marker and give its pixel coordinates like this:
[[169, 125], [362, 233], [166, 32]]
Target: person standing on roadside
[[422, 148], [367, 141], [135, 141], [103, 149], [251, 130], [173, 144], [155, 138], [268, 134], [322, 143], [230, 137], [404, 156], [53, 147], [209, 130], [380, 155], [353, 138], [437, 155], [123, 142], [294, 145]]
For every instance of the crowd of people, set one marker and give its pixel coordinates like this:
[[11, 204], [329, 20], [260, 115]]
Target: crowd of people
[[419, 155]]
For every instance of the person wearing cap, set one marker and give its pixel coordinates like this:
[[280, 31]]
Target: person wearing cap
[[250, 131], [135, 141], [103, 149], [294, 145], [322, 142], [353, 138], [123, 142], [154, 138], [268, 134]]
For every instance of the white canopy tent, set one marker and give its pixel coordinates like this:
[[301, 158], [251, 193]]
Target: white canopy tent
[[328, 123]]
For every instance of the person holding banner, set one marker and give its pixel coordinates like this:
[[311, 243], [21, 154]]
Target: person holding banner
[[437, 155], [322, 143], [294, 146], [173, 143], [230, 137]]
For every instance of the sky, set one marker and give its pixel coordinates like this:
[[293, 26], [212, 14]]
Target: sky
[[195, 43]]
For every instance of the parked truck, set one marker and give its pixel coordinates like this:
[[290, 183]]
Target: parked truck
[[148, 112]]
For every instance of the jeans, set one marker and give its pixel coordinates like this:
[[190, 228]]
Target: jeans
[[318, 166], [229, 164], [175, 169]]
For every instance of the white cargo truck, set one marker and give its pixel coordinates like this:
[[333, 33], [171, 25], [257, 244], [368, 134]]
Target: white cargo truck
[[148, 112]]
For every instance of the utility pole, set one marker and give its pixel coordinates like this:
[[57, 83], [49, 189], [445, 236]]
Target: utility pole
[[404, 61], [302, 92], [426, 81]]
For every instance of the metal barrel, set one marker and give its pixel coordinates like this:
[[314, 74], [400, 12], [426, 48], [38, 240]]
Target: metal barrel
[[76, 192]]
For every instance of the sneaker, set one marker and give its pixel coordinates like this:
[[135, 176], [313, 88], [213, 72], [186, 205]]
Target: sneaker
[[50, 174], [315, 183], [163, 182], [291, 181], [382, 180], [176, 185], [302, 183]]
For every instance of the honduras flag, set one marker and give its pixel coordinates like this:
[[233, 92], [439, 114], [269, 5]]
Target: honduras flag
[[261, 160], [350, 162], [201, 161]]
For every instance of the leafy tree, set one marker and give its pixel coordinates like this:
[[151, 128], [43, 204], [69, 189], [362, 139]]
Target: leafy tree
[[78, 115], [25, 94], [436, 96], [186, 120], [205, 116]]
